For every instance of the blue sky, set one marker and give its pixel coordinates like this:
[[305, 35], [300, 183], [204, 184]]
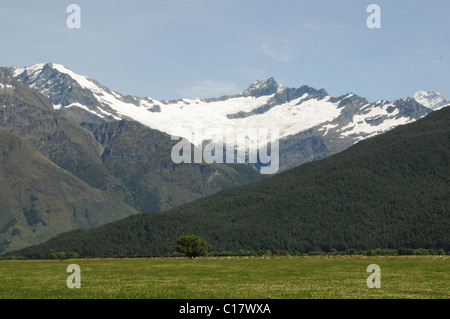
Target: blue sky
[[168, 49]]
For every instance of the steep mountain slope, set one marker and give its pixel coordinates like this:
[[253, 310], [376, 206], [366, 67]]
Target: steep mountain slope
[[311, 124], [143, 174], [387, 191], [39, 199], [26, 113], [127, 160]]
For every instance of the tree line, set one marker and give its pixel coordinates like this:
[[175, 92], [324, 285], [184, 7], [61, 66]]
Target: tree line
[[52, 255], [193, 246]]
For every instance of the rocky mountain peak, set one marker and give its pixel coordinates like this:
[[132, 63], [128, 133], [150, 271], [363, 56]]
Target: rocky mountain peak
[[431, 99], [263, 87]]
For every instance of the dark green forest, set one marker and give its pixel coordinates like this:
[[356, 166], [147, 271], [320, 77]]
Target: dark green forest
[[390, 191]]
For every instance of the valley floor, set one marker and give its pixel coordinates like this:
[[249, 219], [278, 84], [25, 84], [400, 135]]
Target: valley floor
[[305, 277]]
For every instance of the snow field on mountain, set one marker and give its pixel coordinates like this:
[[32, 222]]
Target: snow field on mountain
[[198, 120]]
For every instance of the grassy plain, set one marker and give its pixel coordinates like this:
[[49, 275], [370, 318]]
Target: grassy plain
[[309, 277]]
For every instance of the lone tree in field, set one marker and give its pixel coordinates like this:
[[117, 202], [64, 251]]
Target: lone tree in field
[[192, 246]]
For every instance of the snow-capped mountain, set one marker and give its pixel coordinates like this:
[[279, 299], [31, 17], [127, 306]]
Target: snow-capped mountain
[[310, 123], [431, 99]]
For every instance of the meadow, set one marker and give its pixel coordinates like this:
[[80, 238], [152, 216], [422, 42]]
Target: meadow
[[288, 277]]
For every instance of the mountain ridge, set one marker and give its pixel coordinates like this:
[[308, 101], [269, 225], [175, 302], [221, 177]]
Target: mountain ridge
[[80, 149], [134, 170], [337, 122]]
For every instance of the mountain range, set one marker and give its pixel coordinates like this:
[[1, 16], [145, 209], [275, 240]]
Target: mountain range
[[127, 164], [388, 191], [311, 123], [120, 147]]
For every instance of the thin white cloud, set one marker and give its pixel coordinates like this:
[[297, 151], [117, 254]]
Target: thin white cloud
[[313, 26], [209, 89], [283, 51], [252, 73], [338, 26]]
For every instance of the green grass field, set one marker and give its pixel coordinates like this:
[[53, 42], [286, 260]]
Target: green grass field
[[318, 277]]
